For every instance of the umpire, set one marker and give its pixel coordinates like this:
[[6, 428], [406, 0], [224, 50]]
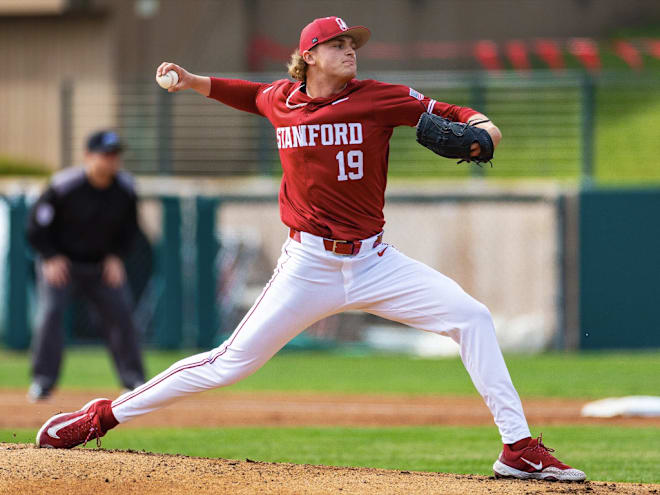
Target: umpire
[[81, 226]]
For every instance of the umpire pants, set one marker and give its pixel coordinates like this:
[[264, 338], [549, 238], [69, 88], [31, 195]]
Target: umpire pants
[[114, 308]]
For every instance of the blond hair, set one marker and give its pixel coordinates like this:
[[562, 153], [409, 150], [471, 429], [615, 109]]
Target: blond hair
[[297, 66]]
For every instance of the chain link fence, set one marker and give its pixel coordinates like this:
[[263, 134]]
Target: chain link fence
[[561, 126]]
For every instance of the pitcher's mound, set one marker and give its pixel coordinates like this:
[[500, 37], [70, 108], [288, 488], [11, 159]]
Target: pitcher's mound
[[27, 469]]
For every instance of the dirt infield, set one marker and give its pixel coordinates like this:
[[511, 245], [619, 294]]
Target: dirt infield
[[298, 409], [25, 469]]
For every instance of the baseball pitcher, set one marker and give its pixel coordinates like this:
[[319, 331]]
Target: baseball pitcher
[[332, 132]]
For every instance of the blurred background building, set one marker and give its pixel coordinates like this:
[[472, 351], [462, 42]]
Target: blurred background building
[[68, 59], [573, 84]]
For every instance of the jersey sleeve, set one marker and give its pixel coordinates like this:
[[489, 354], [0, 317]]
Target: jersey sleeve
[[396, 105], [236, 93], [40, 224], [267, 94]]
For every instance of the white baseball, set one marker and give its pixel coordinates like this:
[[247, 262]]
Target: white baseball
[[168, 80]]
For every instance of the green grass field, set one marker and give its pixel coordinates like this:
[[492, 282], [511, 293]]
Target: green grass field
[[585, 375], [605, 453]]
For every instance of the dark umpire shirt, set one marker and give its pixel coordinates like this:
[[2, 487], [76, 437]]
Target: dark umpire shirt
[[84, 223]]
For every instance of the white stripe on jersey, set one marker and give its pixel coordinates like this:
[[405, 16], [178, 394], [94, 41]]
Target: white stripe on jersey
[[267, 89], [339, 101], [429, 107], [292, 107]]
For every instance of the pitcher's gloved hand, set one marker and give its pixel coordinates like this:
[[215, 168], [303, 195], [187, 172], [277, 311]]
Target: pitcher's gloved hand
[[454, 139]]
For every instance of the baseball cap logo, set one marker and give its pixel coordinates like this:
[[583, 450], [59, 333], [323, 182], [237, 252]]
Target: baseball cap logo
[[110, 139], [325, 28]]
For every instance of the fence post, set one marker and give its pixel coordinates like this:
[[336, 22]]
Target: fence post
[[170, 312], [588, 119], [560, 300], [206, 251], [17, 332], [164, 139], [66, 123]]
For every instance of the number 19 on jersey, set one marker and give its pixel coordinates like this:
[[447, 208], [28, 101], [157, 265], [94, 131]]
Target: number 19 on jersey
[[355, 164]]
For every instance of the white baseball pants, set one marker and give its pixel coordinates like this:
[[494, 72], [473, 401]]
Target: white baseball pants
[[310, 283]]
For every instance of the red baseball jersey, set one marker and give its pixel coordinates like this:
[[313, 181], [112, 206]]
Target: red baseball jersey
[[334, 151]]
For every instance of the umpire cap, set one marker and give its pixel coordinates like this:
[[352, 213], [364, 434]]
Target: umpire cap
[[104, 142]]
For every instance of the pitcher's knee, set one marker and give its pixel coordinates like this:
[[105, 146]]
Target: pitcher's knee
[[231, 367], [476, 315], [483, 313]]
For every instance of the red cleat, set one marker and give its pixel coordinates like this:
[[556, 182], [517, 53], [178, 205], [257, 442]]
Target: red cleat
[[66, 430], [534, 462]]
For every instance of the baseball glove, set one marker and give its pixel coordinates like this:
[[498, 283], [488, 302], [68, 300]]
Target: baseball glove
[[453, 139]]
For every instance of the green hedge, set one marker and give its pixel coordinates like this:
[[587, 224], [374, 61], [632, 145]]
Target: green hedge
[[10, 165]]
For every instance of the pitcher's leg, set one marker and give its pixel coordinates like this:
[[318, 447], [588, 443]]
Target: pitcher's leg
[[482, 357], [290, 302], [410, 292]]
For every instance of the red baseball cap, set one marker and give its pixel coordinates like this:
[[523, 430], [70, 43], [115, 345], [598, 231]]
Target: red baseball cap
[[326, 28]]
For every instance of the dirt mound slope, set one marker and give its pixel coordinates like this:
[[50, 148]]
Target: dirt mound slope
[[26, 469]]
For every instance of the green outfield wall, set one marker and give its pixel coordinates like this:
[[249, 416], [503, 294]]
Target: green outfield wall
[[178, 288], [619, 268]]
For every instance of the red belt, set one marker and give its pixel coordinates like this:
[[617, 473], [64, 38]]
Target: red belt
[[345, 248]]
